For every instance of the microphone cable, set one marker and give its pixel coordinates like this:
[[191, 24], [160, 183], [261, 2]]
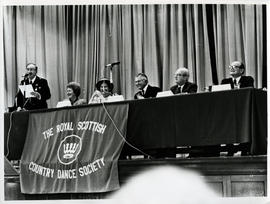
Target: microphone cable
[[26, 102], [121, 135], [9, 130]]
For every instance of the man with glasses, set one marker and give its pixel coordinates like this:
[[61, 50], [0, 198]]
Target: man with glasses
[[145, 90], [182, 84], [237, 80], [39, 95]]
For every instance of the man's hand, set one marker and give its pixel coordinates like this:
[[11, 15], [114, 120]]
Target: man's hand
[[36, 95], [140, 96]]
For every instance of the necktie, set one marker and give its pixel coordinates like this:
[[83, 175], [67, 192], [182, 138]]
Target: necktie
[[179, 89], [30, 82], [234, 82], [142, 92]]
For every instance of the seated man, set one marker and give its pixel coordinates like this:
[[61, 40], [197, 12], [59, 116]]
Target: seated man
[[145, 90], [237, 80], [182, 83]]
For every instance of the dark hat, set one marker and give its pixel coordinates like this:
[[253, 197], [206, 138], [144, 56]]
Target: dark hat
[[105, 80]]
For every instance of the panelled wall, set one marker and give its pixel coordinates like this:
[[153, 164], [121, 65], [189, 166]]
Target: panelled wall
[[243, 176]]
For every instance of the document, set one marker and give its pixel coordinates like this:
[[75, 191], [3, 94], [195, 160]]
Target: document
[[63, 103], [164, 94], [27, 89], [221, 87]]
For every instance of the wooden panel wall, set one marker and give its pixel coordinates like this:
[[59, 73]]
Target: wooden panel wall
[[238, 185], [226, 175]]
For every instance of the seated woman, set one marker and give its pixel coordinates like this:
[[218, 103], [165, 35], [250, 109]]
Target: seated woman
[[103, 90], [73, 91]]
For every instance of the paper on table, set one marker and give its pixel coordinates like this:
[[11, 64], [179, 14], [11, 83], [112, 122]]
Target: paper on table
[[28, 90], [63, 103]]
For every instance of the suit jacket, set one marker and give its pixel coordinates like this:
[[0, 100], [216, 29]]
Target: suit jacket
[[245, 81], [187, 88], [40, 85], [151, 92]]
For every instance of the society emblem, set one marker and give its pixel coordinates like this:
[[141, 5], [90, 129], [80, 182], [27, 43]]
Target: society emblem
[[69, 149]]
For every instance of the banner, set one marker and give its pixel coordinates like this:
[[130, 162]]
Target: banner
[[73, 150]]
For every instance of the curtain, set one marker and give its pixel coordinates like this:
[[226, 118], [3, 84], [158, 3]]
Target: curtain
[[239, 36], [74, 43]]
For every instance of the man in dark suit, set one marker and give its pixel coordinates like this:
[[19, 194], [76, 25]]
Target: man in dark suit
[[237, 80], [145, 90], [40, 94], [182, 83]]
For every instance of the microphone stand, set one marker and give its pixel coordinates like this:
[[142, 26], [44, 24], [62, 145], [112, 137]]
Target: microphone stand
[[24, 92], [110, 67], [111, 79]]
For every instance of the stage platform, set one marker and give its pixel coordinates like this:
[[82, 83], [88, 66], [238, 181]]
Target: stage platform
[[229, 176]]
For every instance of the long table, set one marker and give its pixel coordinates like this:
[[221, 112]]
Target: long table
[[201, 119]]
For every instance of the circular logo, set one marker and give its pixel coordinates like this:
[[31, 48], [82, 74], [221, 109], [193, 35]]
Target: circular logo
[[69, 149]]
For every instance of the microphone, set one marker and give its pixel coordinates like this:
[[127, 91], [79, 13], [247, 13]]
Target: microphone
[[26, 75], [112, 64]]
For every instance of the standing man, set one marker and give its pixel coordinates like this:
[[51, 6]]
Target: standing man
[[237, 80], [182, 83], [145, 90], [40, 94]]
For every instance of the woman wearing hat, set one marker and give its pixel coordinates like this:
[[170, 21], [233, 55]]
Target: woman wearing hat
[[104, 90], [73, 91]]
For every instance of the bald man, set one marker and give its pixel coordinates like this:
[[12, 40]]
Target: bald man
[[237, 80], [165, 184], [182, 83]]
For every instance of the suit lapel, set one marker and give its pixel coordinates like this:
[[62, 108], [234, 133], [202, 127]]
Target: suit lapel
[[37, 80], [184, 87], [147, 90], [241, 80], [230, 80], [35, 84]]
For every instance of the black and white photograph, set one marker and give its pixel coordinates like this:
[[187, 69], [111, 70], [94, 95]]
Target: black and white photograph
[[135, 103]]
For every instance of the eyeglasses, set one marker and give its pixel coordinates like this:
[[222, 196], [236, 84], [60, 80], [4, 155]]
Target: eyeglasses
[[138, 81], [30, 69], [184, 75], [234, 67]]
